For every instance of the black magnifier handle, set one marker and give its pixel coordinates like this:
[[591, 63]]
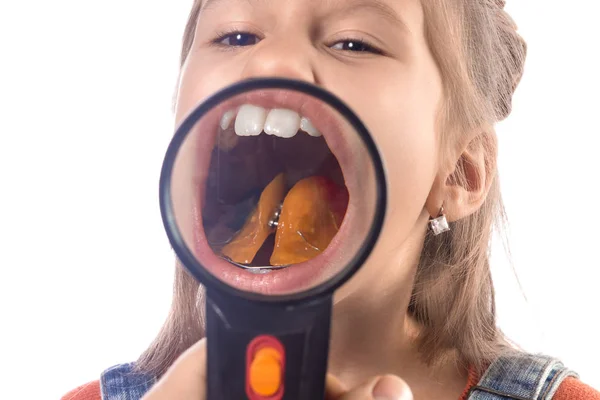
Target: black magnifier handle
[[285, 360]]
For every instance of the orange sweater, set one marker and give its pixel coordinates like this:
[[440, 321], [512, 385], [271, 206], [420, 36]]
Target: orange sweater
[[570, 389]]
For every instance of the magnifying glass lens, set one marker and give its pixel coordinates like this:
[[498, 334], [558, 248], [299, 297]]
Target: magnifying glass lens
[[274, 191]]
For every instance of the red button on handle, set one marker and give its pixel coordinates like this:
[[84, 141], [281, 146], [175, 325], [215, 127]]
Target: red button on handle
[[265, 365]]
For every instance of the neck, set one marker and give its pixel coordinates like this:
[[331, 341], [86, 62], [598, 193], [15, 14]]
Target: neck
[[371, 333]]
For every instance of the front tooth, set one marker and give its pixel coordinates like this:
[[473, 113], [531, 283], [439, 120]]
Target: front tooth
[[250, 120], [309, 128], [283, 123], [226, 119]]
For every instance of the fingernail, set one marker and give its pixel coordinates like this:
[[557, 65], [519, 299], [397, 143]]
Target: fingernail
[[391, 387]]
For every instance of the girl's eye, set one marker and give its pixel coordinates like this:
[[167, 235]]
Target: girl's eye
[[356, 46], [242, 39], [237, 39]]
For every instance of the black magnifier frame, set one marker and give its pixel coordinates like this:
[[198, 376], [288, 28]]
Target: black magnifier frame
[[176, 238]]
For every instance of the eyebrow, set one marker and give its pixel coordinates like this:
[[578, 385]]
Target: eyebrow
[[380, 7], [346, 6]]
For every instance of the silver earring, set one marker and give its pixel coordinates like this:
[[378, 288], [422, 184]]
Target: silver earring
[[439, 224]]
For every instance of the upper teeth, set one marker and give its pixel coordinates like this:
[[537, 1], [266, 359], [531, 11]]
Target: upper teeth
[[252, 120], [226, 119], [282, 123], [309, 128]]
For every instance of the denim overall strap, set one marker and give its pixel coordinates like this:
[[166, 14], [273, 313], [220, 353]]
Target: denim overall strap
[[121, 383], [521, 376]]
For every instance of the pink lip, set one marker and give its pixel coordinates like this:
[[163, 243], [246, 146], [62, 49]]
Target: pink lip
[[299, 277]]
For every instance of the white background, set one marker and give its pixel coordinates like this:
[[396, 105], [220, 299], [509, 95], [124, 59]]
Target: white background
[[86, 270]]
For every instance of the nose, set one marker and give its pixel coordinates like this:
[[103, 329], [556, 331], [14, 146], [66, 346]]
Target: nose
[[282, 57]]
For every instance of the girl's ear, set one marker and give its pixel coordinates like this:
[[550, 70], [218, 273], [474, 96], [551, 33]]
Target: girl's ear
[[464, 186]]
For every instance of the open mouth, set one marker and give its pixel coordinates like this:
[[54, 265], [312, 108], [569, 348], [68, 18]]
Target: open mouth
[[274, 198], [275, 195]]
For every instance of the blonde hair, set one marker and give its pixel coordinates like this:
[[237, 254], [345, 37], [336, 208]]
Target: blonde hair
[[481, 58]]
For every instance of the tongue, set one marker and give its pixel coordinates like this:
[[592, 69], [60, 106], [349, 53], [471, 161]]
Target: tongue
[[310, 217], [244, 246]]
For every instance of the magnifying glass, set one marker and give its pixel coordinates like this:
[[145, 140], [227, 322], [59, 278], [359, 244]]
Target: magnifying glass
[[273, 195]]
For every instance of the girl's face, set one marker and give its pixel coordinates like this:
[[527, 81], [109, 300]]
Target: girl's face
[[374, 56]]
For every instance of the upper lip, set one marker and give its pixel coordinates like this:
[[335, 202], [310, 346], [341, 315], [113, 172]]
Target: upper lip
[[322, 116]]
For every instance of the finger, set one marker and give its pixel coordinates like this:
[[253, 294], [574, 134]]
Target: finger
[[388, 387], [186, 379], [334, 388]]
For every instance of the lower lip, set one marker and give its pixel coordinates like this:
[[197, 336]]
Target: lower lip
[[293, 279]]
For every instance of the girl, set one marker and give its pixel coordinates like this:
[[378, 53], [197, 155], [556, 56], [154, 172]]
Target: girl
[[429, 78]]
